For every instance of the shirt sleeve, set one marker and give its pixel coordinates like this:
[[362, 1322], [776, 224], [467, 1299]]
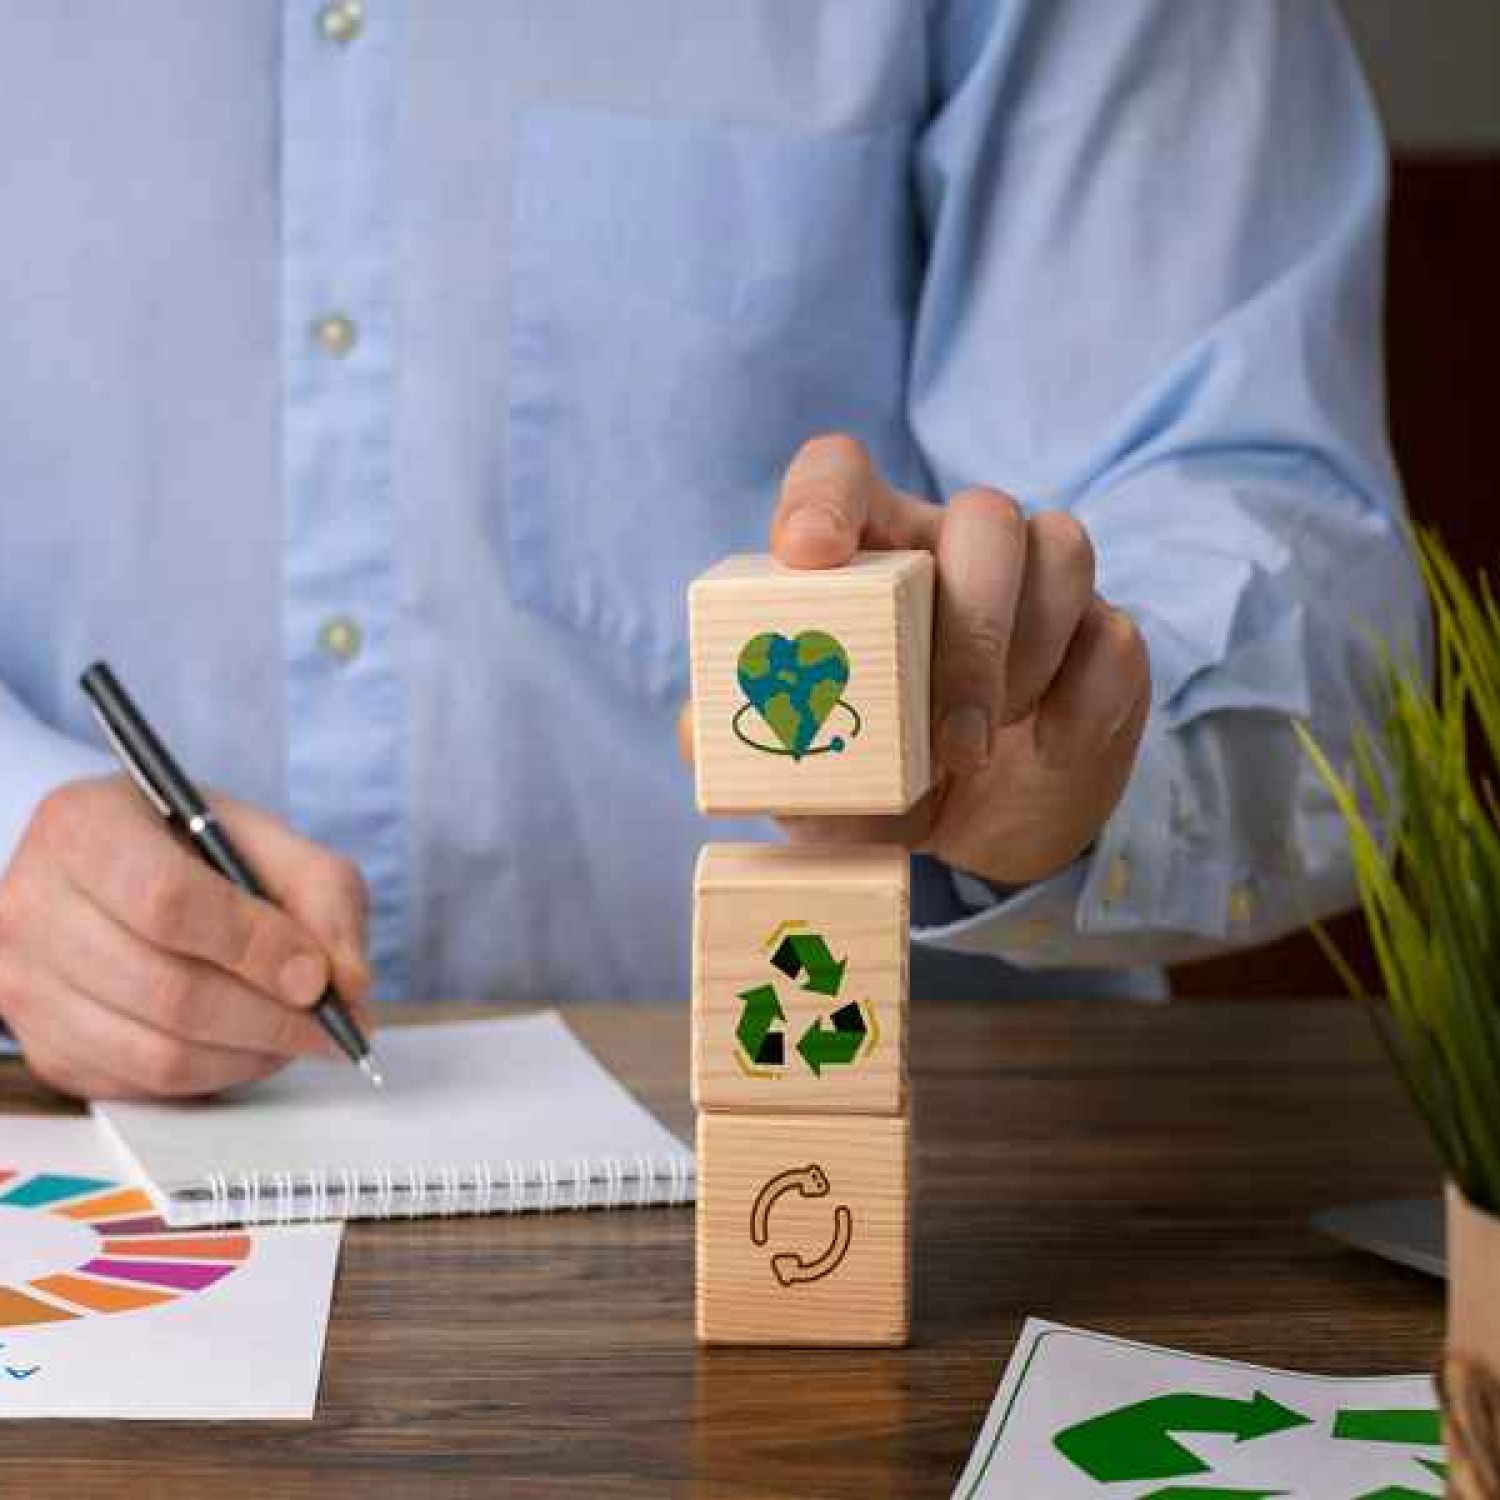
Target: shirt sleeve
[[34, 760], [1153, 297]]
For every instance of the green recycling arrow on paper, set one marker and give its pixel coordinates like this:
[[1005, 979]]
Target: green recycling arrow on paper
[[1416, 1426], [1136, 1442], [1420, 1427], [1211, 1492], [835, 1041]]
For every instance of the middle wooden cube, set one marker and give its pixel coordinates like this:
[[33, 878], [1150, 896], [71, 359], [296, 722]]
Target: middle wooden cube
[[800, 978]]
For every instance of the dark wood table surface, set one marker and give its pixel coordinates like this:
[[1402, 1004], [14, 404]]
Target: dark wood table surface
[[1146, 1171]]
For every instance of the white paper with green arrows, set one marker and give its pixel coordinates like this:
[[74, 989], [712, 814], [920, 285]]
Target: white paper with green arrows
[[1081, 1416]]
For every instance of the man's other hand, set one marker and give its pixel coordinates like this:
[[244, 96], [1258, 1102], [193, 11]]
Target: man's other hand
[[1040, 689]]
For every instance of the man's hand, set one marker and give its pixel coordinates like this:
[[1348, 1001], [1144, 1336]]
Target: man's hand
[[128, 967], [1040, 689]]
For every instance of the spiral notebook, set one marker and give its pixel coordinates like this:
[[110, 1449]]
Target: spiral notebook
[[477, 1117]]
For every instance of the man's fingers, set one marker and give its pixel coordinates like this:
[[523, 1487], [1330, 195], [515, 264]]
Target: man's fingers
[[1099, 699], [322, 890], [184, 997], [910, 829], [981, 557], [834, 501], [167, 896], [77, 1079], [97, 1052], [109, 847], [1056, 590], [35, 1010]]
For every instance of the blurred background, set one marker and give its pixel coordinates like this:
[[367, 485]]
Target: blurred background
[[1435, 68]]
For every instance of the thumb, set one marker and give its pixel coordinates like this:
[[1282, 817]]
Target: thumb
[[824, 502]]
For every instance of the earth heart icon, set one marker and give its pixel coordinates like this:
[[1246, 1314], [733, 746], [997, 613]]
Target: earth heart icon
[[795, 685]]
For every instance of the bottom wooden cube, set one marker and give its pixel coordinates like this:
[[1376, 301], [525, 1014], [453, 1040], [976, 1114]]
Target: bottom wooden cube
[[803, 1229]]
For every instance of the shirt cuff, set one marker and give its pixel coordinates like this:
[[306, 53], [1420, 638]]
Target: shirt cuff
[[1146, 892], [1029, 926]]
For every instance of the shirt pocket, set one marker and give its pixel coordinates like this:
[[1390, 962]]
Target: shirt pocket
[[688, 303]]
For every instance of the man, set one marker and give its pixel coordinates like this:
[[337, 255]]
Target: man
[[376, 375]]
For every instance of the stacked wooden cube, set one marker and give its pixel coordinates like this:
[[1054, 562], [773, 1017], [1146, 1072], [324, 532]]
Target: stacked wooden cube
[[810, 699]]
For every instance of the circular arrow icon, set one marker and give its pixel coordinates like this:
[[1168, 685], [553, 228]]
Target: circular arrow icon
[[787, 1266]]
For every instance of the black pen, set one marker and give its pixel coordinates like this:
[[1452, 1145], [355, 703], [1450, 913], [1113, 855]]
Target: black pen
[[175, 798]]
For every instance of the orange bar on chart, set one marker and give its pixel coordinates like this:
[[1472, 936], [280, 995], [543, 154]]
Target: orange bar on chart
[[100, 1296], [17, 1308], [183, 1246], [111, 1205]]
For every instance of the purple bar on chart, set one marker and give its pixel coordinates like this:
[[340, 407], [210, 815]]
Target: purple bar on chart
[[133, 1226], [185, 1278]]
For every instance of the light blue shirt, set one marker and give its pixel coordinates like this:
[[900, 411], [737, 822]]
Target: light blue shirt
[[417, 581]]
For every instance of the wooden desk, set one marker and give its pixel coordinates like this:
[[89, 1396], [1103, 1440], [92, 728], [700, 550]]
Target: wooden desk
[[1145, 1171]]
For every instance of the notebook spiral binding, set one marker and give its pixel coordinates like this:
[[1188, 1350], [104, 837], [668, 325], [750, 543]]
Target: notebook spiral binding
[[412, 1192]]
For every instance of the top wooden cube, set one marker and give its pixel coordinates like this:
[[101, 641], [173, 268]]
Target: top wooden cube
[[810, 687]]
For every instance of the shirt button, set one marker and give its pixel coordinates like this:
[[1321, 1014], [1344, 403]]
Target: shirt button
[[1116, 880], [1241, 903], [335, 334], [1033, 930], [340, 637], [342, 21]]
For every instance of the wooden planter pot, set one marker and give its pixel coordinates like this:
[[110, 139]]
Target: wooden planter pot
[[1471, 1373]]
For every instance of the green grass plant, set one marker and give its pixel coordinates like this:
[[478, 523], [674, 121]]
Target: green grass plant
[[1420, 804]]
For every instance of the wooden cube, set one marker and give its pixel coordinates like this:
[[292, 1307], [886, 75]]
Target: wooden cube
[[810, 688], [800, 978], [803, 1229]]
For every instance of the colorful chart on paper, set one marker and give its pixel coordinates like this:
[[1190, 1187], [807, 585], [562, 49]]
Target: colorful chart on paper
[[132, 1260]]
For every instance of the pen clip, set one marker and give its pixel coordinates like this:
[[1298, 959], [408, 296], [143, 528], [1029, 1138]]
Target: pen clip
[[135, 773]]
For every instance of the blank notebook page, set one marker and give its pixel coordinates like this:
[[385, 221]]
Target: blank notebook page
[[475, 1116]]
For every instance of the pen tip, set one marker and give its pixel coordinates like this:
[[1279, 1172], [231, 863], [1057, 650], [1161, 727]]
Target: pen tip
[[371, 1070]]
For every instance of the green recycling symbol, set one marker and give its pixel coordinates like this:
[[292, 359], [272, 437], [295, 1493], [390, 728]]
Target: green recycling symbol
[[805, 958], [1137, 1442]]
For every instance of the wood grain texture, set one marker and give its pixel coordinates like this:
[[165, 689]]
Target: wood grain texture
[[879, 608], [1474, 1281], [1147, 1171], [803, 1229], [856, 899]]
